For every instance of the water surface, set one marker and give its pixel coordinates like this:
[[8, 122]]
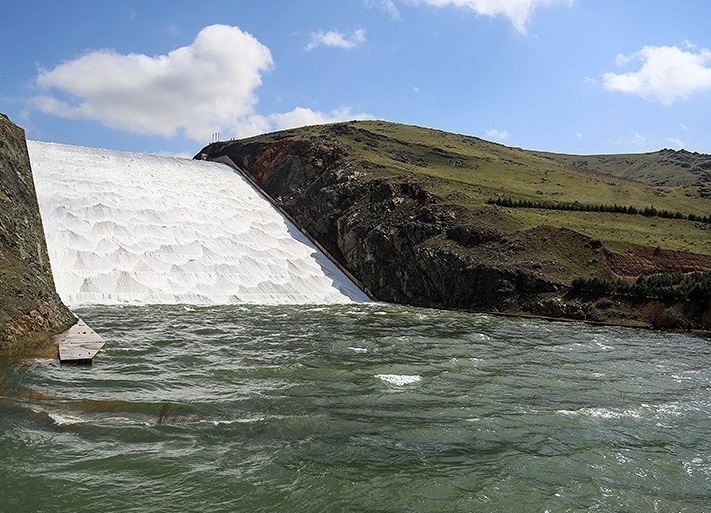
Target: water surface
[[358, 408]]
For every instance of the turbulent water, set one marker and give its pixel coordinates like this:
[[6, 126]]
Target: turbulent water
[[358, 408], [134, 228]]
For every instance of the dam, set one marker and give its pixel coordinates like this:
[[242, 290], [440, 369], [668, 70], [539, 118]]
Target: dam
[[132, 228], [282, 407]]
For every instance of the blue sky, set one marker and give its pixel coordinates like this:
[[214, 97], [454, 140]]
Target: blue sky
[[572, 76]]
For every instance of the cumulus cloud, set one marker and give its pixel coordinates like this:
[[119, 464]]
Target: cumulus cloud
[[197, 90], [301, 116], [336, 39], [519, 12], [666, 75], [497, 135]]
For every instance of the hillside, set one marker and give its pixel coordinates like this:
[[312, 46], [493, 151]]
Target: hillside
[[660, 168], [411, 213]]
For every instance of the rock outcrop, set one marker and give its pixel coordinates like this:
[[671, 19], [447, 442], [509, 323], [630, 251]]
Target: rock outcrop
[[407, 245], [401, 243], [30, 308]]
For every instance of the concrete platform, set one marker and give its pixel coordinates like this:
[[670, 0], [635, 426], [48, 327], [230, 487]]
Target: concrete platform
[[79, 344]]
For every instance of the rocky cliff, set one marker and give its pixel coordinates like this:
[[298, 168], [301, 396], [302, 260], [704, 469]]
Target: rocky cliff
[[398, 239], [30, 308], [408, 245]]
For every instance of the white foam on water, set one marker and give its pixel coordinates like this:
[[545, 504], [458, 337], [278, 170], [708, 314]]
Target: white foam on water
[[250, 420], [399, 380], [662, 411], [65, 420], [603, 413], [130, 228]]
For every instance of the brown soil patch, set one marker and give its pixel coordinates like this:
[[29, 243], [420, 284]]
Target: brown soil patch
[[642, 261]]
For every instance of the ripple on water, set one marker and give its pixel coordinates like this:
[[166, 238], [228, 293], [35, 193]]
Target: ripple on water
[[360, 408], [399, 380]]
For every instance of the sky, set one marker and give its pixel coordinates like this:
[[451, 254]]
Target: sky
[[568, 76]]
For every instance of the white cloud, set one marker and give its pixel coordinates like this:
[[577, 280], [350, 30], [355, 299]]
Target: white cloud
[[519, 12], [636, 139], [387, 6], [667, 73], [497, 135], [631, 143], [301, 116], [336, 39], [197, 90], [676, 142]]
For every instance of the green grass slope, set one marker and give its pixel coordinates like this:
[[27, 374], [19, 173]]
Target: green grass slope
[[468, 171], [526, 213]]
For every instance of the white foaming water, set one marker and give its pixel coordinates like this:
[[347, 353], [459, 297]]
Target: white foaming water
[[399, 380], [142, 229]]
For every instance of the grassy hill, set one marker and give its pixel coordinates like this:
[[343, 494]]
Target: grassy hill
[[469, 171], [664, 168], [519, 225]]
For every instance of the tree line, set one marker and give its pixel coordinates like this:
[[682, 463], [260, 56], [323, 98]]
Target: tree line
[[649, 211], [694, 286]]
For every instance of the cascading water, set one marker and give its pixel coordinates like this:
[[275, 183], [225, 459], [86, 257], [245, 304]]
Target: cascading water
[[143, 229]]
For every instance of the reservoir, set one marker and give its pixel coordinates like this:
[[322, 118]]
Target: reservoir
[[358, 407]]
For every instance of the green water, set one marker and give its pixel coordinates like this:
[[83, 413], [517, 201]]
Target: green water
[[359, 408]]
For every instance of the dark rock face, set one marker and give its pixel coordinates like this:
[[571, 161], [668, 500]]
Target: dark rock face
[[401, 243], [29, 304]]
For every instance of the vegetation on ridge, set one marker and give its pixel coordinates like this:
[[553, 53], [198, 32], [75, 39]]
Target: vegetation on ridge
[[649, 211], [469, 172], [671, 286], [586, 220]]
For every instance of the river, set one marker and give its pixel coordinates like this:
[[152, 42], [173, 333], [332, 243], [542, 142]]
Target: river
[[358, 408]]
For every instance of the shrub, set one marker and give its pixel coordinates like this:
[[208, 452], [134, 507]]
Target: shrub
[[677, 286], [649, 211]]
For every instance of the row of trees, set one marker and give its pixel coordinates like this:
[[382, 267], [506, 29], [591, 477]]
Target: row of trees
[[673, 286], [649, 211]]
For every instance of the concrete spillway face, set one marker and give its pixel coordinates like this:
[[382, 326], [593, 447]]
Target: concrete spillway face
[[143, 229]]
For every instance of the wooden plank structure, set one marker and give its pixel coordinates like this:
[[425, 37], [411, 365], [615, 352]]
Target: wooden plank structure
[[79, 344]]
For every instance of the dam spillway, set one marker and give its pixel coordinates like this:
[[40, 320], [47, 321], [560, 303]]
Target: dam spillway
[[132, 228]]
